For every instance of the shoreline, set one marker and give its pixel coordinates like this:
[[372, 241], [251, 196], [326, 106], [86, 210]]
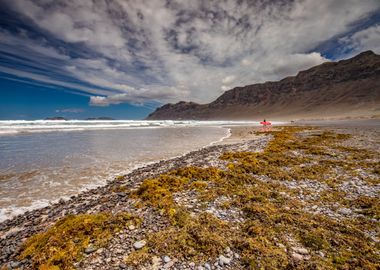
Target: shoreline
[[41, 203], [49, 214], [142, 165], [111, 198]]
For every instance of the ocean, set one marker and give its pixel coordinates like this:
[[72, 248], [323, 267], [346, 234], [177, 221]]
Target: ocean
[[43, 161]]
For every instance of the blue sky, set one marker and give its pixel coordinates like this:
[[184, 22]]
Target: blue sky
[[122, 59]]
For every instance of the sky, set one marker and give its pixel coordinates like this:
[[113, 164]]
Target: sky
[[122, 59]]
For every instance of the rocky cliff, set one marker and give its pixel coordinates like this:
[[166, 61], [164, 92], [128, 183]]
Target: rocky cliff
[[348, 88]]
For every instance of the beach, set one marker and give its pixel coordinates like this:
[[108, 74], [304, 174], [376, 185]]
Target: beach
[[59, 162], [302, 195]]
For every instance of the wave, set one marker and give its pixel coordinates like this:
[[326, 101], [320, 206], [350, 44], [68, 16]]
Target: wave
[[9, 127]]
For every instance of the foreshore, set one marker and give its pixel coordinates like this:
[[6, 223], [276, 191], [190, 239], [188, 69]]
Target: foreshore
[[294, 196]]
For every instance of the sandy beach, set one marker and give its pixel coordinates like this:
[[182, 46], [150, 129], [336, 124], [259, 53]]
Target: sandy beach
[[298, 196]]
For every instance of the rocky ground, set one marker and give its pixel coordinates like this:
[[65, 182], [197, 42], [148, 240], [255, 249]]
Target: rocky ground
[[205, 222]]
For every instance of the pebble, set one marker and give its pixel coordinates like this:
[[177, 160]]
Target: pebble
[[166, 259], [207, 266], [169, 264], [90, 249], [15, 264], [131, 227], [344, 211], [302, 251], [320, 253], [139, 244], [123, 266], [223, 260], [297, 257]]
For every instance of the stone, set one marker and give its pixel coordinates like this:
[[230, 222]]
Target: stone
[[15, 264], [320, 253], [131, 227], [139, 244], [123, 266], [302, 251], [166, 259], [222, 260], [207, 266], [297, 257], [344, 211], [168, 265], [100, 250], [90, 249]]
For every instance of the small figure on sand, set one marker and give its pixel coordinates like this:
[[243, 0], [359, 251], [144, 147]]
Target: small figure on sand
[[265, 123], [266, 126]]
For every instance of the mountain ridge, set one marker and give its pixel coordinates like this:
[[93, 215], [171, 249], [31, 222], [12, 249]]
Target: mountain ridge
[[347, 88]]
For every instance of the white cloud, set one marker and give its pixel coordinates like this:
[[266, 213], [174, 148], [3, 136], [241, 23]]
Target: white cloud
[[228, 79], [138, 51], [99, 101]]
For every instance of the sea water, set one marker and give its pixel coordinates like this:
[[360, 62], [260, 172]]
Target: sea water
[[43, 161]]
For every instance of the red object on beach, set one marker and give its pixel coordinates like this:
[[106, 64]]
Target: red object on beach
[[265, 123]]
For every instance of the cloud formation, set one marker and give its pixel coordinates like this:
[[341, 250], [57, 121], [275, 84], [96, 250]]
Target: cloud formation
[[165, 51]]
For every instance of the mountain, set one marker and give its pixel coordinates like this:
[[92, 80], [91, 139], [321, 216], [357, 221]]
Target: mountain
[[99, 118], [348, 88], [59, 118]]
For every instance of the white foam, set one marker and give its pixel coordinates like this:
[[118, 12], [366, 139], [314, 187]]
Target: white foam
[[12, 211], [9, 127]]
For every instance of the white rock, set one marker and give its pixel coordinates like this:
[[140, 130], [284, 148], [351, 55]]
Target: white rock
[[166, 259], [297, 257], [344, 211], [131, 227], [207, 266], [320, 253], [302, 251], [223, 260], [139, 244], [90, 249]]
